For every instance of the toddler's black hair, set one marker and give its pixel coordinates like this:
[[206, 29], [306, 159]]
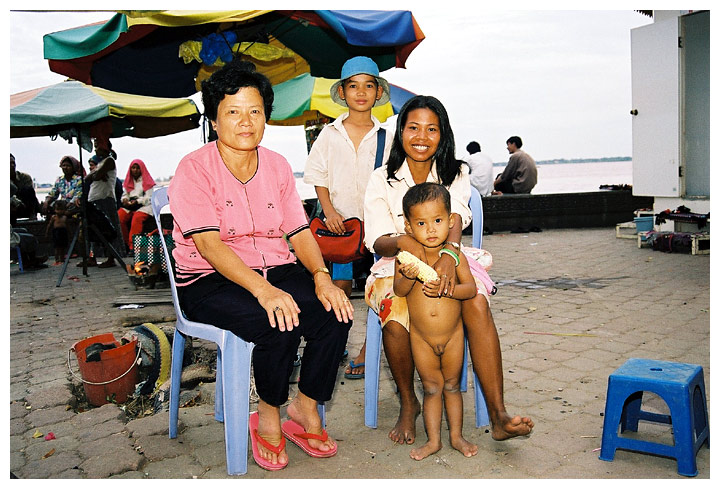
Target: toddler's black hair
[[425, 192]]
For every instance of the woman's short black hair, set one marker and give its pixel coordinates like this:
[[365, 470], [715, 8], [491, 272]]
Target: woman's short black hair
[[229, 79], [425, 192], [447, 166]]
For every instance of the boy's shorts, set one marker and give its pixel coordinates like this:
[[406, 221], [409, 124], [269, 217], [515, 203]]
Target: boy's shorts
[[341, 271]]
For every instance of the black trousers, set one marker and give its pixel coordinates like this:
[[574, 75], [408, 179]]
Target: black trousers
[[218, 301]]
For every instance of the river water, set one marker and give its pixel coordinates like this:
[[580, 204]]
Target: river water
[[556, 178]]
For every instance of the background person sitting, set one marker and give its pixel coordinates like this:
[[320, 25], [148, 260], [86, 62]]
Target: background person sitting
[[25, 193], [520, 174], [68, 187], [135, 206]]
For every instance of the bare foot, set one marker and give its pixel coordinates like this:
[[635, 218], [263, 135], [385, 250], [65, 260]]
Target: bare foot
[[404, 430], [426, 450], [269, 429], [506, 427], [303, 411], [463, 446]]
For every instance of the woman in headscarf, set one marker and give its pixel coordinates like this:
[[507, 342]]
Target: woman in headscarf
[[135, 206]]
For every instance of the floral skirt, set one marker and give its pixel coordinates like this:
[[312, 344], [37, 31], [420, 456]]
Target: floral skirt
[[380, 297]]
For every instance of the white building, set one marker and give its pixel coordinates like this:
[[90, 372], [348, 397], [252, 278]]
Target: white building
[[671, 112]]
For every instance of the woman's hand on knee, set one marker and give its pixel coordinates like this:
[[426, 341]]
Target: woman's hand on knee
[[333, 297], [445, 268], [281, 308]]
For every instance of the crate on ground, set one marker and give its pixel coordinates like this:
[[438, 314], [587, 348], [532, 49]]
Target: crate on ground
[[642, 240], [626, 230], [701, 244]]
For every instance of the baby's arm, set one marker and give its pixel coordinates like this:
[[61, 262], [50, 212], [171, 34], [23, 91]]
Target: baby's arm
[[405, 277], [466, 287]]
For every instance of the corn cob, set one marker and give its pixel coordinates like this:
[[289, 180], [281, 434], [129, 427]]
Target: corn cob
[[425, 271]]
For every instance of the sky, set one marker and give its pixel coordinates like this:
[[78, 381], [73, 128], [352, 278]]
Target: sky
[[559, 79]]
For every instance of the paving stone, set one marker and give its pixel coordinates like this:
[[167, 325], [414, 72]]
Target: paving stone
[[18, 409], [124, 459], [50, 467], [105, 446], [46, 417], [51, 397], [182, 467], [159, 447], [88, 433], [149, 425]]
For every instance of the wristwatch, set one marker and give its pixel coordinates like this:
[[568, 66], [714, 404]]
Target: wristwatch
[[320, 270], [456, 245]]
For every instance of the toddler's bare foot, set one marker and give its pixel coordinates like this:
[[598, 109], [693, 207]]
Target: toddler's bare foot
[[425, 450], [506, 427], [463, 446], [404, 430]]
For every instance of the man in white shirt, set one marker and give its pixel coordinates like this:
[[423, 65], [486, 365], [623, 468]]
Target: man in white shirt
[[481, 169]]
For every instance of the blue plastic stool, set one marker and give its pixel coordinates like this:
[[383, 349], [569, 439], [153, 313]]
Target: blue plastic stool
[[681, 386]]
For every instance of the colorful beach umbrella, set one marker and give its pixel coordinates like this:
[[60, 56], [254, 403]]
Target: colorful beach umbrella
[[62, 108], [168, 53], [306, 98]]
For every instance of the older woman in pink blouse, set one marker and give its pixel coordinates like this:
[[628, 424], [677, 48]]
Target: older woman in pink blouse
[[235, 208]]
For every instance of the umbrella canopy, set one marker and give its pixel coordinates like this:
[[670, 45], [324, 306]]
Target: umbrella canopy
[[61, 108], [167, 53], [306, 97]]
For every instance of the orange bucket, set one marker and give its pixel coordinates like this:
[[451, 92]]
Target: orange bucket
[[112, 378]]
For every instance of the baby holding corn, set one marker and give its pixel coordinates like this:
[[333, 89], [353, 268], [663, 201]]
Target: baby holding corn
[[437, 339]]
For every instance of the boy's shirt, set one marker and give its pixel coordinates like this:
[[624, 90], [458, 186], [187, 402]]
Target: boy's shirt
[[334, 164]]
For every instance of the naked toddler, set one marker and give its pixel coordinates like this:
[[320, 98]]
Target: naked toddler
[[436, 332]]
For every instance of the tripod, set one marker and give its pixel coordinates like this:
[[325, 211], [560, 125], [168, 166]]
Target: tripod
[[91, 227]]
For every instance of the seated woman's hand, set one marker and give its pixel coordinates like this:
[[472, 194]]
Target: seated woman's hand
[[332, 297], [281, 308], [431, 288], [445, 268]]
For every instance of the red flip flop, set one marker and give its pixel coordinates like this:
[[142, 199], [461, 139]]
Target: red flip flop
[[256, 438], [297, 434]]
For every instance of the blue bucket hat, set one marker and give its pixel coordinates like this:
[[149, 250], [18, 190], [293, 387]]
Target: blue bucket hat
[[357, 66]]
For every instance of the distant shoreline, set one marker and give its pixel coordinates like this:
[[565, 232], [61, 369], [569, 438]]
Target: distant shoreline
[[562, 161]]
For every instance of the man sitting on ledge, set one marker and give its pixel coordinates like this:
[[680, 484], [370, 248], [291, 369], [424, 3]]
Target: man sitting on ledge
[[520, 175]]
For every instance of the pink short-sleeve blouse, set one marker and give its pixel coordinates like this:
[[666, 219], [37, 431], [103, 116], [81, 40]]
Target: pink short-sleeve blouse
[[252, 217]]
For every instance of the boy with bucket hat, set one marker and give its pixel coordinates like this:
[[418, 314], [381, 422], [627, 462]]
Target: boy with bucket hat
[[343, 157]]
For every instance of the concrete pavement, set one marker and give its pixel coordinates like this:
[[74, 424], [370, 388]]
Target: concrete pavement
[[572, 306]]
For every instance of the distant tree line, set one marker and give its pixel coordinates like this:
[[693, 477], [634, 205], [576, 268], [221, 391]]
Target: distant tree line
[[561, 161]]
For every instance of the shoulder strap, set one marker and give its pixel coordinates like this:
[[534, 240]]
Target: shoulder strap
[[380, 147]]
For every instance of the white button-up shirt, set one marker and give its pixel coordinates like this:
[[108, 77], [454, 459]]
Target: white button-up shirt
[[383, 201], [334, 164]]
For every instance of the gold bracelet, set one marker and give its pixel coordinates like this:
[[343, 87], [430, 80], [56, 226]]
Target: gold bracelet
[[320, 270]]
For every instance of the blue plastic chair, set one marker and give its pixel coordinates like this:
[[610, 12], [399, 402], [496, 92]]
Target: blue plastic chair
[[373, 339], [232, 378], [19, 258]]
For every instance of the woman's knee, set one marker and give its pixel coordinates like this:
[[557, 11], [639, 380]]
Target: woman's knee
[[393, 329]]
